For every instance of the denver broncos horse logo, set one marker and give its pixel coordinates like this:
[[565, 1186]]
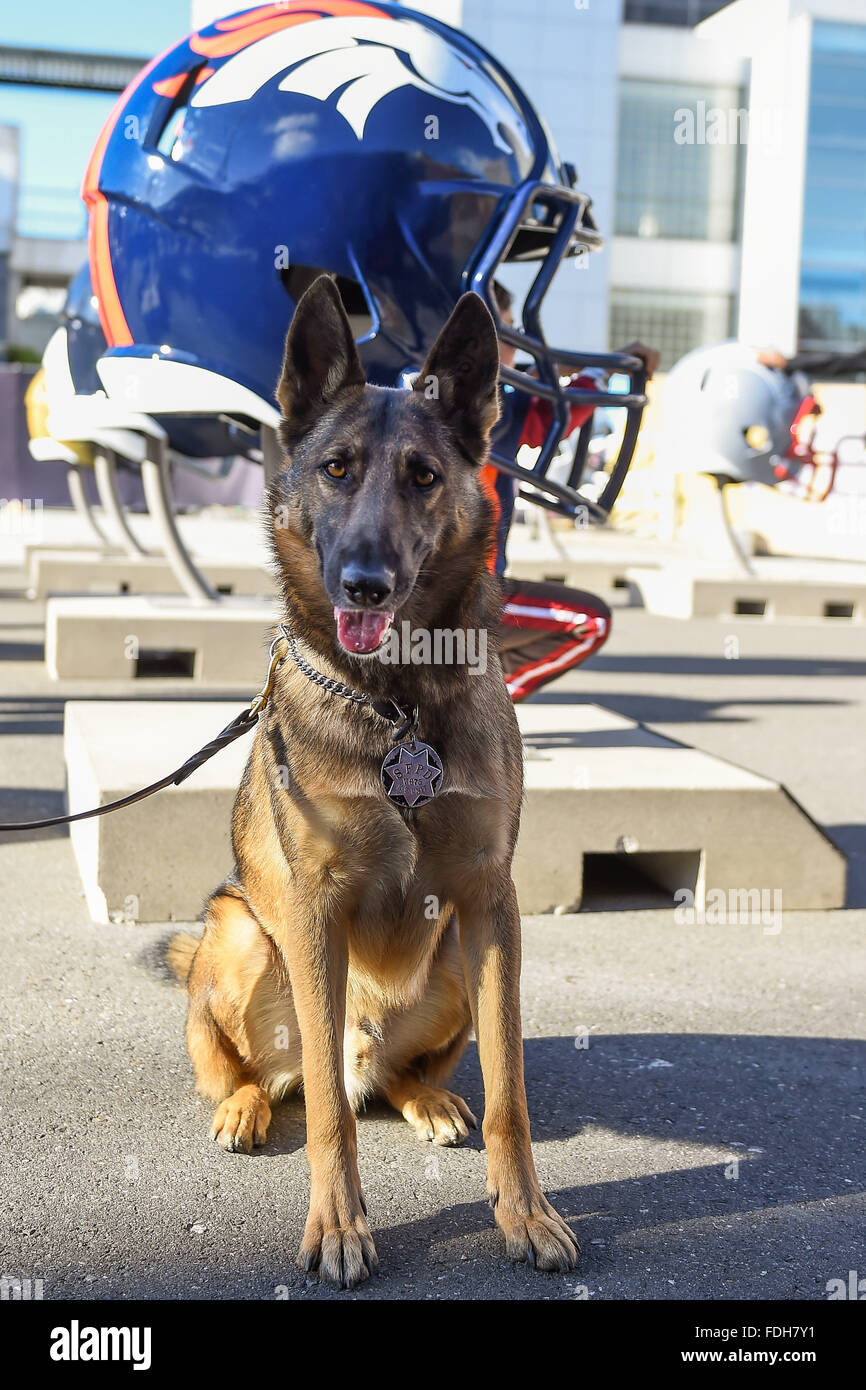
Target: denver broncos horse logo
[[365, 58]]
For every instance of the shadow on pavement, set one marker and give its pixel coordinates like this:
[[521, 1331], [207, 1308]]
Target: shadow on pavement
[[663, 664], [692, 1166], [851, 839], [671, 709]]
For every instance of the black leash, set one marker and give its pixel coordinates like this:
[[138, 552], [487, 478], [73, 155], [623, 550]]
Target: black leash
[[403, 723], [239, 725]]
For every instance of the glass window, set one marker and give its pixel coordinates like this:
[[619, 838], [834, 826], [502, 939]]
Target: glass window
[[833, 254], [671, 321], [682, 12], [678, 160]]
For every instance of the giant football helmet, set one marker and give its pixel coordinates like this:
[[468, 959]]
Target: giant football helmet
[[360, 139], [728, 415]]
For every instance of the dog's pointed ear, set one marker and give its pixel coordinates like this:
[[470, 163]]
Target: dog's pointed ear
[[462, 373], [320, 360]]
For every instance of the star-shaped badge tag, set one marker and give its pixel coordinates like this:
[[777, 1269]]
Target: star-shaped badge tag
[[412, 774]]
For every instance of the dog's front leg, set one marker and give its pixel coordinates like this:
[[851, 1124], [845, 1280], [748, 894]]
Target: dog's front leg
[[490, 940], [337, 1240]]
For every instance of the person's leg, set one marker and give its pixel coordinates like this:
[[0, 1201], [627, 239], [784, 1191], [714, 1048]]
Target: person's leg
[[547, 629]]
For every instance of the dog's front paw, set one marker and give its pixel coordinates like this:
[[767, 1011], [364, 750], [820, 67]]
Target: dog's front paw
[[340, 1250], [536, 1233]]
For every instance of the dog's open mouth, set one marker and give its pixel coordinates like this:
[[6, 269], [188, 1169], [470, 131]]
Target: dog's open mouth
[[361, 631]]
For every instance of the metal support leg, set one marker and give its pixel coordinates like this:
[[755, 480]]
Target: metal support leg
[[75, 483], [105, 468], [547, 535], [157, 492], [729, 547], [272, 455]]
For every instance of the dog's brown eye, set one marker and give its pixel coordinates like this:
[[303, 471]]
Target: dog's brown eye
[[335, 468], [424, 477]]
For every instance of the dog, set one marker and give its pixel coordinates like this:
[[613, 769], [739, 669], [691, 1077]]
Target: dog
[[358, 940]]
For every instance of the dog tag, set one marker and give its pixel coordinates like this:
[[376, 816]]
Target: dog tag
[[412, 774]]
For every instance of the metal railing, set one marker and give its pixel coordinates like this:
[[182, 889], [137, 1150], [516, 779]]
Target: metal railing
[[50, 67]]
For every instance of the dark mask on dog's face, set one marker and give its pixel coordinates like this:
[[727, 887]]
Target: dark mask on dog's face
[[378, 477]]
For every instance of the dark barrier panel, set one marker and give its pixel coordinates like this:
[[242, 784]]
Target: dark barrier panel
[[22, 477]]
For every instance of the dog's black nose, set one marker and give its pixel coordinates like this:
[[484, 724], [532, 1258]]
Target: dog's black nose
[[367, 586]]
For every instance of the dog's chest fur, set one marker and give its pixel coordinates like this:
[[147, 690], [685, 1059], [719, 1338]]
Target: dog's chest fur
[[394, 877]]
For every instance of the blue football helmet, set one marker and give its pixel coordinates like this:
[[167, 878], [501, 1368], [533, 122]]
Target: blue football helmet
[[197, 435], [359, 139]]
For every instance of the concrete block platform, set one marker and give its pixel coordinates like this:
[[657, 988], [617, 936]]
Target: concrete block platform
[[605, 578], [597, 562], [126, 637], [781, 588], [612, 808], [614, 814], [75, 571]]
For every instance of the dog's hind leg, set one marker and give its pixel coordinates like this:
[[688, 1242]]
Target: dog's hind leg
[[424, 1046], [241, 1030]]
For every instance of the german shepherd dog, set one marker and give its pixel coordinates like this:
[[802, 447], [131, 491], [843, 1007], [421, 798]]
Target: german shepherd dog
[[357, 941]]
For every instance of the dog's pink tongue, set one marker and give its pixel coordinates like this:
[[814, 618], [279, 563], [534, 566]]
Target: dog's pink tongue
[[359, 631]]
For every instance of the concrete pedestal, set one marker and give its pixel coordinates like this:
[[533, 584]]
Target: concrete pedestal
[[781, 588], [594, 561], [124, 638], [61, 571], [607, 803]]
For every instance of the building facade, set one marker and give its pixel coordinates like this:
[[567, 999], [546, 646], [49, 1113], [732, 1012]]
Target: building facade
[[724, 145]]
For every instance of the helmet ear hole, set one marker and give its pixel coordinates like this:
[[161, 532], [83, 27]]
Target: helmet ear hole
[[297, 279], [166, 138]]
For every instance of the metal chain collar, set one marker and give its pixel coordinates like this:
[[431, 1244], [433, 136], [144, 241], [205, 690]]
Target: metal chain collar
[[404, 722]]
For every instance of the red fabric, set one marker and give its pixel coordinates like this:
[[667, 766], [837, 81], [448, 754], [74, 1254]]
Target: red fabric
[[808, 406], [488, 483], [563, 627], [537, 421], [580, 645], [535, 428]]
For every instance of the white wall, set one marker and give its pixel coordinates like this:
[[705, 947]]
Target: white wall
[[204, 12], [8, 185], [776, 35], [670, 54], [8, 215], [565, 57], [659, 263]]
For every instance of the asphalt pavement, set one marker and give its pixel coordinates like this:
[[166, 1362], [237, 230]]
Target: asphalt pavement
[[696, 1093]]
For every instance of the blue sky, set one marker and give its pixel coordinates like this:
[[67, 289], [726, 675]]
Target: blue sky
[[99, 26], [58, 129]]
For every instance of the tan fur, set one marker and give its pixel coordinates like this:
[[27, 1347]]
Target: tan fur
[[356, 943], [180, 953]]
